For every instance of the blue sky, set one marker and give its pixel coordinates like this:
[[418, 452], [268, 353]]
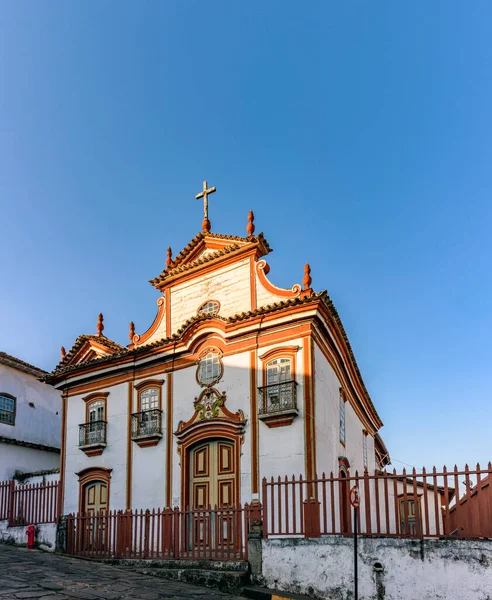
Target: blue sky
[[358, 132]]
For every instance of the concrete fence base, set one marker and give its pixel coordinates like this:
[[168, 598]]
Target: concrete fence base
[[45, 537], [389, 568]]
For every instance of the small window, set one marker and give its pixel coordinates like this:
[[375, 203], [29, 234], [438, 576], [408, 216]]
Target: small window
[[149, 399], [7, 409], [209, 369], [209, 308], [342, 419], [279, 392], [96, 411], [412, 524], [278, 371], [364, 443]]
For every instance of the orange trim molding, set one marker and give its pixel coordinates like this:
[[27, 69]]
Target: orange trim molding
[[140, 339], [92, 474], [262, 269], [169, 441], [255, 467], [280, 351], [129, 451]]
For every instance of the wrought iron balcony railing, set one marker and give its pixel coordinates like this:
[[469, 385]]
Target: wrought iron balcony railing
[[277, 397], [147, 423], [92, 433]]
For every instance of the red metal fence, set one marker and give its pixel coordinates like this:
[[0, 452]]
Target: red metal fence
[[416, 505], [213, 534], [29, 504]]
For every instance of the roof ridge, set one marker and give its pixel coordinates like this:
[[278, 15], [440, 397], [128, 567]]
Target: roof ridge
[[22, 365]]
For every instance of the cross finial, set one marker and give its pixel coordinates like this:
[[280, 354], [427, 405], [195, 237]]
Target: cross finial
[[169, 259], [250, 227], [204, 194], [100, 326]]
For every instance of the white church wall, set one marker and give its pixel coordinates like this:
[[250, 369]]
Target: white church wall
[[113, 456], [228, 285], [264, 297], [38, 409], [326, 403], [149, 464], [282, 449]]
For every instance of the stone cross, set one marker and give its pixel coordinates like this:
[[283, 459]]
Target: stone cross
[[204, 194]]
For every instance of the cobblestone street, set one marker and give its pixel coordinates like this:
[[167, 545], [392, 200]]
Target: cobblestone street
[[34, 574]]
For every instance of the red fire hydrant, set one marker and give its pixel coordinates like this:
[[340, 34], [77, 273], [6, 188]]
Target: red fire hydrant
[[30, 532]]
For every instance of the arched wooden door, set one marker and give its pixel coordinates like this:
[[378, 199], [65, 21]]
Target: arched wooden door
[[212, 496], [212, 475], [95, 504]]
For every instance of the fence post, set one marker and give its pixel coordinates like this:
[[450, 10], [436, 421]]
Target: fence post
[[255, 535], [62, 534], [11, 502]]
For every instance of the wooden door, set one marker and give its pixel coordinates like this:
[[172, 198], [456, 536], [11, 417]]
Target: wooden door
[[95, 506], [213, 475], [212, 492]]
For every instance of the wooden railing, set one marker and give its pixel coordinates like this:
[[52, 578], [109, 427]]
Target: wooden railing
[[29, 504], [212, 534], [417, 504]]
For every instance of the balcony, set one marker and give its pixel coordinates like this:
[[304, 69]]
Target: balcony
[[92, 437], [278, 404], [147, 427]]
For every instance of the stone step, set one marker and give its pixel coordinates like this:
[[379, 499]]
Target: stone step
[[213, 565], [225, 580], [260, 593]]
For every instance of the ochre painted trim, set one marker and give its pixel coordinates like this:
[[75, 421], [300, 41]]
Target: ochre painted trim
[[252, 282], [255, 467], [129, 450], [96, 396], [167, 296], [288, 332], [275, 352], [309, 417], [161, 307], [169, 441], [205, 268], [261, 269]]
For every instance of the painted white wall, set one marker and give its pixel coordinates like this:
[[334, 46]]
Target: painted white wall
[[282, 449], [229, 285], [18, 458], [113, 456], [39, 424], [265, 297], [149, 464], [413, 570], [46, 535]]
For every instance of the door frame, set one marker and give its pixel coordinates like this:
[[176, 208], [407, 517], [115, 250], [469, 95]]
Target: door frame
[[186, 453], [90, 475]]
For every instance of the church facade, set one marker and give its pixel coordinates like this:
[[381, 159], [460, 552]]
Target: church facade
[[235, 380]]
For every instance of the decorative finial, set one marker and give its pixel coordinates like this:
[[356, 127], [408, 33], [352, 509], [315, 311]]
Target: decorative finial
[[132, 331], [250, 227], [100, 326], [169, 258], [307, 277], [63, 352], [204, 194]]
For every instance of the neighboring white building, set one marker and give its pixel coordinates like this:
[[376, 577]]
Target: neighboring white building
[[30, 419], [235, 380]]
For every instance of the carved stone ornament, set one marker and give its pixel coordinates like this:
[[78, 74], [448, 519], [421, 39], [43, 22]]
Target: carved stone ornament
[[209, 403]]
